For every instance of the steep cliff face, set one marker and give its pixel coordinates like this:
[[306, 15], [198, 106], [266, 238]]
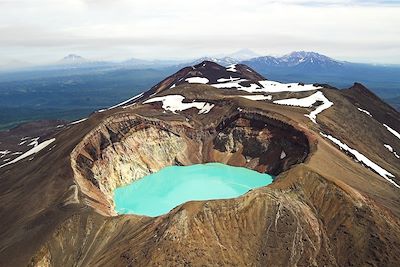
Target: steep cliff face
[[259, 143], [126, 149], [123, 150]]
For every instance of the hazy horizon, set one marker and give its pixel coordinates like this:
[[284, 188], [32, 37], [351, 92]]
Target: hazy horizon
[[47, 30]]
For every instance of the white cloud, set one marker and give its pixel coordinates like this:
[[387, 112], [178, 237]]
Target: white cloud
[[48, 29]]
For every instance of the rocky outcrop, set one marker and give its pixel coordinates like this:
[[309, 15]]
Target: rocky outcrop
[[264, 144]]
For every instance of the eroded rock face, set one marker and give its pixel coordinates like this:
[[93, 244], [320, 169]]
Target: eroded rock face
[[126, 149], [123, 150], [264, 144], [146, 150]]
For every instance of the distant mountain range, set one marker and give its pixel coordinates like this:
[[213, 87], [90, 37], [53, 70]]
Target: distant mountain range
[[312, 67], [308, 67], [301, 59], [297, 59]]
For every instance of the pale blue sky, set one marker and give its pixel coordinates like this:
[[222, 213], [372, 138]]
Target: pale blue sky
[[40, 31]]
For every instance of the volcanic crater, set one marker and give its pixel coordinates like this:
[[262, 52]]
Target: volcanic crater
[[126, 149]]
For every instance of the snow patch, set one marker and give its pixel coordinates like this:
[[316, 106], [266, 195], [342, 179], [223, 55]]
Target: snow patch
[[175, 103], [236, 84], [264, 86], [34, 142], [126, 101], [361, 158], [232, 68], [392, 131], [276, 87], [206, 108], [197, 80], [78, 121], [257, 97], [307, 102], [222, 80], [4, 153], [365, 111], [30, 152], [388, 147]]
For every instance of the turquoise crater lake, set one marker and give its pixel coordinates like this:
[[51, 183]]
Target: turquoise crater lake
[[158, 193]]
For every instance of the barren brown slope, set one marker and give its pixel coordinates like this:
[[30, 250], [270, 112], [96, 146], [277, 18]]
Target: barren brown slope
[[363, 98], [324, 209]]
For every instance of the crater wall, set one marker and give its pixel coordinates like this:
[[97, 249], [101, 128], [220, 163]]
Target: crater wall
[[125, 149]]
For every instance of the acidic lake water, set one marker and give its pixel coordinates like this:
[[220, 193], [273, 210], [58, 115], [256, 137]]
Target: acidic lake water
[[158, 193]]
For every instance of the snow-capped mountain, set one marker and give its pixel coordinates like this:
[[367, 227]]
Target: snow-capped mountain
[[303, 57], [226, 60], [73, 59], [297, 59], [266, 60]]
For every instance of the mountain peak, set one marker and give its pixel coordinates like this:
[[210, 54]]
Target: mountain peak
[[305, 54], [362, 90], [73, 59], [297, 59], [208, 72]]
